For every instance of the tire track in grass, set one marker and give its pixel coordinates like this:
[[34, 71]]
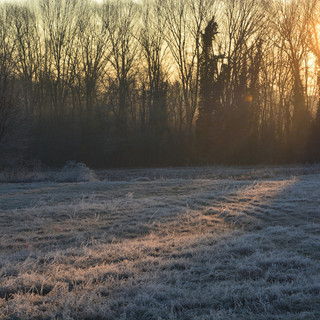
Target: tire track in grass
[[252, 206]]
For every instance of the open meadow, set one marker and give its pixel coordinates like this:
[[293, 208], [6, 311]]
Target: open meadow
[[177, 243]]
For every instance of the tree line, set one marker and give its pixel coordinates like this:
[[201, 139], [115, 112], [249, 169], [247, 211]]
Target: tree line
[[160, 82]]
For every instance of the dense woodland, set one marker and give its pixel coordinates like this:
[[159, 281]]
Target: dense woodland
[[160, 82]]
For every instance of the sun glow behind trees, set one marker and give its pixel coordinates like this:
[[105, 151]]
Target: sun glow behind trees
[[117, 78]]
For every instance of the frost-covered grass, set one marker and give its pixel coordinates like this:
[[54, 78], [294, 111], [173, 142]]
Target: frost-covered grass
[[71, 172], [155, 245]]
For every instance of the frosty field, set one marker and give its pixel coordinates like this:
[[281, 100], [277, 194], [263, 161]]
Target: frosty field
[[184, 243]]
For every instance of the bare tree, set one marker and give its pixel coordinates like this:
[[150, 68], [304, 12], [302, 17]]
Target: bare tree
[[288, 19], [186, 20], [154, 52], [28, 52], [60, 27], [94, 52], [120, 20], [13, 120], [8, 107], [243, 27]]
